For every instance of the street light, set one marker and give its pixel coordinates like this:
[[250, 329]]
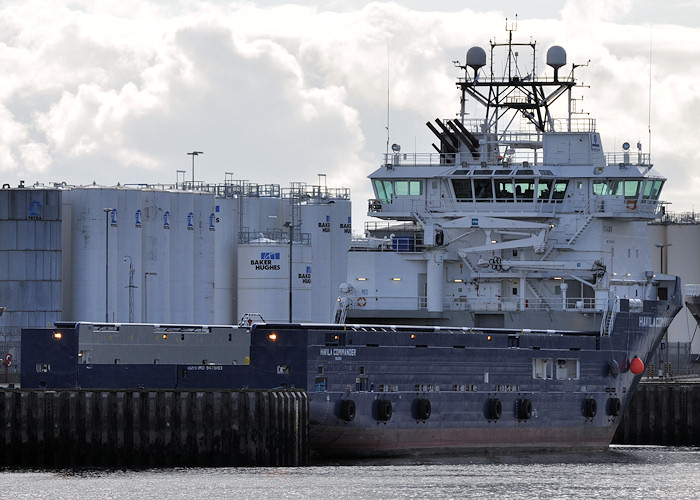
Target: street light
[[291, 236], [145, 293], [193, 154], [107, 212]]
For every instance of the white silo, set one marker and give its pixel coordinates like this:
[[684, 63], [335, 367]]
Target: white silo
[[203, 259], [225, 260], [183, 229], [316, 221], [341, 227], [154, 275], [129, 253], [91, 252], [263, 280]]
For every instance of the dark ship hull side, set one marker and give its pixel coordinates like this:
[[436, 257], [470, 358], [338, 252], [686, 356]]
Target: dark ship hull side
[[460, 373]]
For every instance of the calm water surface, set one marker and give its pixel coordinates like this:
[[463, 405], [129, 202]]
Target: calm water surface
[[622, 472]]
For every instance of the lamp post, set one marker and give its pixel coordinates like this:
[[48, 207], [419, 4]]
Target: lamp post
[[290, 225], [193, 154], [145, 294], [131, 287], [107, 212]]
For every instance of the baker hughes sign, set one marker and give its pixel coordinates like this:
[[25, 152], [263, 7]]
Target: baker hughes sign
[[269, 261]]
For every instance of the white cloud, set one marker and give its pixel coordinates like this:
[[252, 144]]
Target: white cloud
[[278, 92]]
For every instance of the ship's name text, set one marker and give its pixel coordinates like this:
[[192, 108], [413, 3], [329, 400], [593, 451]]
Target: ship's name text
[[653, 322], [326, 351]]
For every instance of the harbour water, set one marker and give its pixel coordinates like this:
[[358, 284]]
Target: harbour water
[[621, 472]]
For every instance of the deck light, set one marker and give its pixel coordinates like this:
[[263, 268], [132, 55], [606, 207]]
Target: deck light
[[57, 335], [361, 279], [272, 336], [395, 279]]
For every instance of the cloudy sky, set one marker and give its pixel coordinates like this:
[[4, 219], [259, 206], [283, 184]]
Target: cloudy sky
[[275, 92]]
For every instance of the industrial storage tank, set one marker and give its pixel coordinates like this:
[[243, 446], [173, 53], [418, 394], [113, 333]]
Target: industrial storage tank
[[341, 224], [316, 220], [263, 209], [263, 280], [128, 255], [182, 234], [203, 262], [154, 277], [94, 218], [30, 257], [674, 242], [225, 260]]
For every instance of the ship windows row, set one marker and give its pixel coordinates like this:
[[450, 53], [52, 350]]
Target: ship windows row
[[508, 190], [521, 190], [387, 189], [629, 189], [563, 369]]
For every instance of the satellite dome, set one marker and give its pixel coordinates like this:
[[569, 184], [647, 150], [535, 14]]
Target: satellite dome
[[556, 57], [476, 58]]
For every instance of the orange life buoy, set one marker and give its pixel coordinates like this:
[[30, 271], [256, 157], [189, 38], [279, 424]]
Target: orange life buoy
[[631, 205], [361, 301]]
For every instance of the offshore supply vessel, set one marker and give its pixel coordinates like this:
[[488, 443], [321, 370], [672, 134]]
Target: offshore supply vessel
[[507, 301]]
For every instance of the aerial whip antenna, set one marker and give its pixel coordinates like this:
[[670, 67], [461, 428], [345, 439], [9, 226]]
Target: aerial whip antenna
[[387, 103], [649, 106]]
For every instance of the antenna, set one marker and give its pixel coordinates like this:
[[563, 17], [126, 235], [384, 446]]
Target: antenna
[[387, 101], [649, 106]]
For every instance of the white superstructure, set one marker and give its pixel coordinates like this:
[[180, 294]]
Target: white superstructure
[[518, 219]]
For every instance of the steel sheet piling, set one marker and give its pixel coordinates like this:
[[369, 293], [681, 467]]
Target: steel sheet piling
[[137, 428]]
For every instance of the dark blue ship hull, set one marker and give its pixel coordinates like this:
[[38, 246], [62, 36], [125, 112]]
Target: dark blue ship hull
[[484, 389], [382, 390]]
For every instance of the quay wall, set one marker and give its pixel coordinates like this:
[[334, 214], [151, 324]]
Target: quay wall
[[151, 428], [662, 413]]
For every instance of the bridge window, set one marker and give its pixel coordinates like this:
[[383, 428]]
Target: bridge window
[[483, 189], [504, 189], [407, 188], [652, 190], [463, 189], [385, 190], [601, 188], [544, 188], [632, 190], [559, 190], [524, 189]]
